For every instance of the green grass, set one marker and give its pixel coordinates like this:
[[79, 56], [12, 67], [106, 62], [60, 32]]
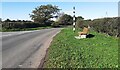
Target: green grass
[[101, 51], [23, 29]]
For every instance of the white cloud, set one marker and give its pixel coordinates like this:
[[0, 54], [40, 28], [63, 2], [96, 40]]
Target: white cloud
[[69, 12]]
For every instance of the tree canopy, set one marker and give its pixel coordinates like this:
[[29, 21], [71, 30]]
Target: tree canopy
[[0, 19], [65, 19], [44, 13], [7, 20]]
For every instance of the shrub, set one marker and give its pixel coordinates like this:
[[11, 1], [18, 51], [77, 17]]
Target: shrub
[[55, 24], [108, 26], [11, 25]]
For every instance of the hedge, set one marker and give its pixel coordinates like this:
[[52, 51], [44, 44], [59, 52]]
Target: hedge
[[108, 26], [11, 25]]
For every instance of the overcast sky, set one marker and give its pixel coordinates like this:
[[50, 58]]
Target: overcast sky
[[88, 10]]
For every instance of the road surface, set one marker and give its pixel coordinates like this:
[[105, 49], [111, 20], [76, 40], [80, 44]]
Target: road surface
[[25, 49]]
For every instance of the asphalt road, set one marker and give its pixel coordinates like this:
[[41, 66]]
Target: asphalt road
[[20, 47]]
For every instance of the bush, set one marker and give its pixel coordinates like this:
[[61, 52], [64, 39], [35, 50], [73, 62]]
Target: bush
[[11, 25], [65, 20], [55, 24], [108, 26]]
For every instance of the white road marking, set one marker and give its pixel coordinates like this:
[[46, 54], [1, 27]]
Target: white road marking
[[17, 33], [20, 66]]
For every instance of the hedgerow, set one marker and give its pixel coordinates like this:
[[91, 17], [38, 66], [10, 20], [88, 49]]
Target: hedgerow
[[108, 26], [12, 25]]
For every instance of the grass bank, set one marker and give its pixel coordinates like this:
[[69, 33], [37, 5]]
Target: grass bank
[[22, 29], [65, 51]]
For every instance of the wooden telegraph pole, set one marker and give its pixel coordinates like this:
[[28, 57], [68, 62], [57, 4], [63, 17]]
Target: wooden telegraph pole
[[74, 19]]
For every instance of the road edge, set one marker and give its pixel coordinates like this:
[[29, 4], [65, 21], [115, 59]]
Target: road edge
[[46, 54]]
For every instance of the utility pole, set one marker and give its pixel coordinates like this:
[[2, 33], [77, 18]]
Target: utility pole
[[106, 14], [74, 19]]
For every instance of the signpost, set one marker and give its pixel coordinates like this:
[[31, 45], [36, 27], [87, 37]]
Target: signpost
[[74, 19]]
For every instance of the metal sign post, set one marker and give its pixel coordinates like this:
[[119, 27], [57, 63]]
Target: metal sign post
[[74, 19]]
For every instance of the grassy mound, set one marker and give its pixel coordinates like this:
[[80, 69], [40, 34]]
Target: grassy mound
[[100, 51]]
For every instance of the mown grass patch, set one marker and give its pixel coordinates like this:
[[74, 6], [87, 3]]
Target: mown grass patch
[[22, 29], [101, 51]]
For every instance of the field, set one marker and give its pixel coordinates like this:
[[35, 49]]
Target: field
[[100, 51]]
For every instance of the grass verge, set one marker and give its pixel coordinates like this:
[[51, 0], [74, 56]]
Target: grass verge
[[65, 51], [23, 29]]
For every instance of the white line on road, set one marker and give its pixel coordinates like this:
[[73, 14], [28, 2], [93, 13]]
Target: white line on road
[[17, 33]]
